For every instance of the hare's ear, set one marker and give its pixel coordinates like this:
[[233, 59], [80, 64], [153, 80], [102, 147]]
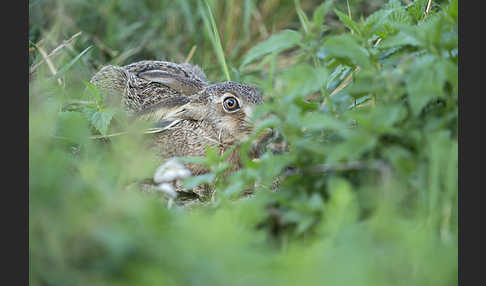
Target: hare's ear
[[160, 109], [190, 111], [183, 85], [172, 109]]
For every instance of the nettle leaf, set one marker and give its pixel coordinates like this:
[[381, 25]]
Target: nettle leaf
[[425, 82], [320, 121], [320, 13], [348, 22], [99, 119], [380, 21], [359, 142], [400, 39], [398, 12], [346, 46], [416, 9], [276, 43], [382, 119], [376, 20], [435, 34], [303, 79], [95, 92]]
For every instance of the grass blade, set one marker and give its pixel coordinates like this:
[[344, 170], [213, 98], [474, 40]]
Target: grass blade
[[210, 25], [71, 63]]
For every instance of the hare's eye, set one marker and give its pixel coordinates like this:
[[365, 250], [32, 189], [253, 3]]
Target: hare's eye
[[231, 104]]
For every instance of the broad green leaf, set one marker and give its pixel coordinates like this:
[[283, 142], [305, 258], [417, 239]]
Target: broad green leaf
[[321, 121], [100, 119], [400, 39], [304, 79], [346, 20], [95, 92], [398, 12], [276, 43], [425, 82], [358, 142], [416, 9], [379, 22], [345, 46], [321, 11]]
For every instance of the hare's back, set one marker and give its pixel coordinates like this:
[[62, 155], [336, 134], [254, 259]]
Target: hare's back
[[184, 70]]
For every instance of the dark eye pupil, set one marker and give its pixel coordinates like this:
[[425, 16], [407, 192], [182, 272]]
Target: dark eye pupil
[[231, 102]]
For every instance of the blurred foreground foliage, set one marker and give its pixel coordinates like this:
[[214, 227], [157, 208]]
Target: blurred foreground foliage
[[366, 112]]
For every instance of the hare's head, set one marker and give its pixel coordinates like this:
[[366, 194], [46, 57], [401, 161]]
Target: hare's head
[[229, 107], [226, 107]]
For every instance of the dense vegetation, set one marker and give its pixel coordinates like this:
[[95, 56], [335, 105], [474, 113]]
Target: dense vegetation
[[363, 96]]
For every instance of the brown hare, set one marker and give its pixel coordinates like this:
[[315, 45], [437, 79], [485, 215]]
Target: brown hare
[[191, 113]]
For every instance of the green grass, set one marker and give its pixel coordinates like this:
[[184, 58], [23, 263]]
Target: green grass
[[371, 198]]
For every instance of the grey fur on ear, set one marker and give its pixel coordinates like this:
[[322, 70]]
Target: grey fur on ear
[[159, 109], [190, 111], [183, 85]]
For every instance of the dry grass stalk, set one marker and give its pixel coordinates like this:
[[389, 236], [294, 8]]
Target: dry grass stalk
[[427, 9], [191, 53], [55, 51], [51, 66]]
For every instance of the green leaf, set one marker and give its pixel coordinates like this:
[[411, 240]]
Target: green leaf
[[303, 79], [416, 9], [358, 142], [276, 43], [320, 13], [94, 92], [400, 39], [348, 22], [320, 121], [304, 21], [425, 82], [100, 119], [379, 22], [398, 12], [345, 46]]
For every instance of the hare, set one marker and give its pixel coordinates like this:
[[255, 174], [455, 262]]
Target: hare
[[191, 112]]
